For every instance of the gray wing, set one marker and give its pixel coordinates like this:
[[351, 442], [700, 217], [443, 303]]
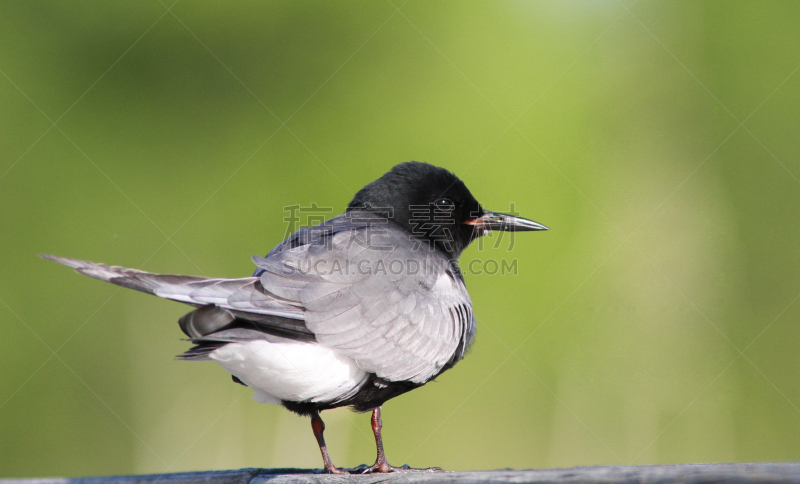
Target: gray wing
[[230, 299], [400, 311]]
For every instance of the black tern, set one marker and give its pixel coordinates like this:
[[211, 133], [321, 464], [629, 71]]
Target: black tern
[[352, 312]]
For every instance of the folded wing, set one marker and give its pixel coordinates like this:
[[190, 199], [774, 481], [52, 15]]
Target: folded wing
[[398, 309], [223, 303]]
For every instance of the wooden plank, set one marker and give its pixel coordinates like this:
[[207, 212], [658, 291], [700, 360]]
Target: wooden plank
[[662, 474]]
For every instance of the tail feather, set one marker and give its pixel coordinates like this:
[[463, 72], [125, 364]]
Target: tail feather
[[244, 298], [122, 276], [222, 302]]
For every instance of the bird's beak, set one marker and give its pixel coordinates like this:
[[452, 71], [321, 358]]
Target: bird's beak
[[500, 221]]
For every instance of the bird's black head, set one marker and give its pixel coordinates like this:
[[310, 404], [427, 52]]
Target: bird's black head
[[433, 205]]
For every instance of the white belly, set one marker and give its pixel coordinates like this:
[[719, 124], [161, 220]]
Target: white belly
[[290, 371]]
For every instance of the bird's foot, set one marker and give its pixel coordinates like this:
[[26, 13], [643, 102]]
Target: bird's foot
[[384, 467], [334, 470]]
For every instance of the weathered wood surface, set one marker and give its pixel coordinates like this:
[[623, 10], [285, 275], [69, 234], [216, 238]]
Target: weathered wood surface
[[684, 474]]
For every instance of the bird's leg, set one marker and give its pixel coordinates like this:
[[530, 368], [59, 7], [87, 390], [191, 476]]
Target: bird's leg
[[381, 465], [380, 462], [318, 426]]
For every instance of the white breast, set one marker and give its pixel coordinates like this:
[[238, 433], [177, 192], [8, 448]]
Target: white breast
[[290, 371]]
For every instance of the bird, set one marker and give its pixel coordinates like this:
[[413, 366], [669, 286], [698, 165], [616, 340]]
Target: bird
[[352, 312]]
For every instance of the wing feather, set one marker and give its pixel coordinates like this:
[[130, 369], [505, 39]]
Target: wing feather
[[337, 284], [398, 324]]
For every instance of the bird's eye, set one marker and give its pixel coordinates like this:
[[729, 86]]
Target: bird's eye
[[444, 204]]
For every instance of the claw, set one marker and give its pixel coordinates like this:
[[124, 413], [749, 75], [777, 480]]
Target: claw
[[386, 468]]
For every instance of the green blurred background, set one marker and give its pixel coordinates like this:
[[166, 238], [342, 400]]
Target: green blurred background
[[655, 323]]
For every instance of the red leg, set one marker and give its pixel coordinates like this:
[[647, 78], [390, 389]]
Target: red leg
[[318, 426], [381, 465], [380, 462]]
